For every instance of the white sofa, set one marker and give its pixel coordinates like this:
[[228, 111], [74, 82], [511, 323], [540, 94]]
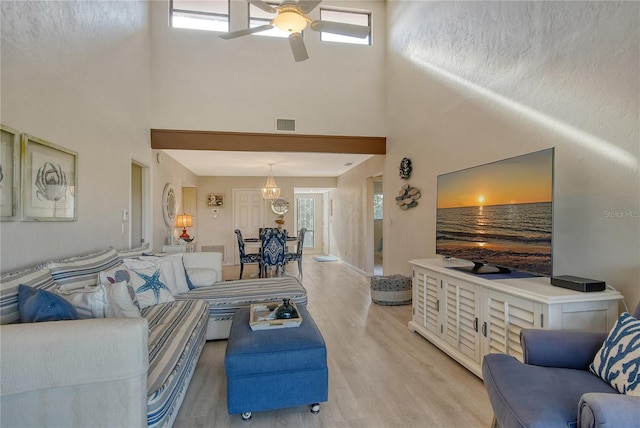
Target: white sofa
[[114, 372]]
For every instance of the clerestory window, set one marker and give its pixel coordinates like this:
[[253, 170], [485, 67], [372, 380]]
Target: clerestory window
[[347, 17], [211, 15]]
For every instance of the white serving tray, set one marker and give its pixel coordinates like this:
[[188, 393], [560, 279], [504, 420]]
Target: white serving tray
[[258, 318]]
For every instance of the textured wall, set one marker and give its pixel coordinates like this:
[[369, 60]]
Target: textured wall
[[76, 74], [203, 82], [474, 82]]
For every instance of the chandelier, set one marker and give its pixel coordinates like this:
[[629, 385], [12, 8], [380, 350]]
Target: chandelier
[[270, 191]]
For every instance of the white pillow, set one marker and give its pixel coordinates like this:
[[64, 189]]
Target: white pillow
[[181, 276], [164, 264], [117, 274], [90, 301], [202, 277], [150, 287], [178, 270], [121, 305]]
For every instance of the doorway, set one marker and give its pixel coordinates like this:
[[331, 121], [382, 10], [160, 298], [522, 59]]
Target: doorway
[[309, 214], [189, 206], [248, 215], [378, 205], [139, 215]]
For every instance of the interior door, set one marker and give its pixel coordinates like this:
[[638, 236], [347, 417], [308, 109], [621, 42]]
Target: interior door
[[248, 215], [136, 236]]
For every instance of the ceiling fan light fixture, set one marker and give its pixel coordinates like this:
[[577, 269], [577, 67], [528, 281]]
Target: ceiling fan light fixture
[[290, 21], [270, 191]]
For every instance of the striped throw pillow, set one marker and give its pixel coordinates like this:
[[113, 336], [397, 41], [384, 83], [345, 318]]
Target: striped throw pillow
[[78, 272], [35, 277]]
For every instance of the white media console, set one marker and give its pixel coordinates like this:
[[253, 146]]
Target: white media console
[[468, 316]]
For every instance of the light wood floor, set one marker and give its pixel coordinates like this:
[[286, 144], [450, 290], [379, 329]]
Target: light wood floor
[[380, 374]]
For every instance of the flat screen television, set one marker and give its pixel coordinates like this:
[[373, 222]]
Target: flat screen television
[[499, 215]]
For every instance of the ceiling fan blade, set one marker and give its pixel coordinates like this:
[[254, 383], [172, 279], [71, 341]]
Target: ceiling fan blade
[[262, 5], [306, 6], [351, 30], [245, 32], [297, 47]]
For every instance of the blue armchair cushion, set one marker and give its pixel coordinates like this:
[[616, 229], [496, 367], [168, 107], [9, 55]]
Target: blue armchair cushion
[[523, 395], [618, 360], [37, 305]]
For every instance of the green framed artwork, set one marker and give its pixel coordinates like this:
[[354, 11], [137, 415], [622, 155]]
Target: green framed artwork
[[49, 181], [9, 173]]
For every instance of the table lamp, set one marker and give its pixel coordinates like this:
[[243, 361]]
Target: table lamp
[[184, 221]]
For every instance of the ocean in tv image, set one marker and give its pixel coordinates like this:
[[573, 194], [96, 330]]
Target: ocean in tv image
[[499, 213]]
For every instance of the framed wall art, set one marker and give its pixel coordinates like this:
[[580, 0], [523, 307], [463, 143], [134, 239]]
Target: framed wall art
[[9, 173], [215, 200], [49, 181]]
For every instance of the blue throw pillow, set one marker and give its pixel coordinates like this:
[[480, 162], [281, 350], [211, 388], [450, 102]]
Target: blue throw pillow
[[36, 305]]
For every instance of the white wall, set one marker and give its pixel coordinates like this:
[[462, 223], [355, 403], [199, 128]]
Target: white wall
[[76, 74], [202, 82], [474, 82], [352, 215], [169, 171]]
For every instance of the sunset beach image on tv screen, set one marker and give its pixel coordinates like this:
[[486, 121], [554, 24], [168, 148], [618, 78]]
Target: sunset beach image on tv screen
[[499, 213]]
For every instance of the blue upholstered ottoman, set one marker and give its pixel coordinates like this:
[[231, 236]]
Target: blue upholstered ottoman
[[273, 369]]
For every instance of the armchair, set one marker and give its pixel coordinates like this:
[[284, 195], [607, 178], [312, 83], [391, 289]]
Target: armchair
[[554, 387]]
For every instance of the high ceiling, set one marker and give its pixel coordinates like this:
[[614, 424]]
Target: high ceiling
[[247, 164]]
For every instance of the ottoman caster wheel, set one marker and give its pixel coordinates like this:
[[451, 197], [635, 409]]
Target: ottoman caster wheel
[[246, 416], [315, 408]]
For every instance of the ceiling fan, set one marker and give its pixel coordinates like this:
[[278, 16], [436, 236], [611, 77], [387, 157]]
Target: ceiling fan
[[292, 18]]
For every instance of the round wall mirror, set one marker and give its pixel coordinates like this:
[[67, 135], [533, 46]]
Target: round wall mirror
[[169, 205], [280, 206]]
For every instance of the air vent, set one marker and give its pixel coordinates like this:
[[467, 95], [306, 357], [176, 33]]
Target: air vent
[[286, 125]]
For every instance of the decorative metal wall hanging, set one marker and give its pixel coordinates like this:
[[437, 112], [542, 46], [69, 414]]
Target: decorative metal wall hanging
[[408, 197], [405, 168]]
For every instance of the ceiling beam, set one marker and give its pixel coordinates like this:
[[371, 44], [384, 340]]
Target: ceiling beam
[[173, 139]]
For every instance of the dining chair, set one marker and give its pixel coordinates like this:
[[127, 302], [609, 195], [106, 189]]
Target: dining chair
[[247, 258], [272, 250], [297, 256]]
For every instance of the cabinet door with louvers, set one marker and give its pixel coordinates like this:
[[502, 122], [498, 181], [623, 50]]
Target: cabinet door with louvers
[[461, 317], [504, 317], [426, 302]]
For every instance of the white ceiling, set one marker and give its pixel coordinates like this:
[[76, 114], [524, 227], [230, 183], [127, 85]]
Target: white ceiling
[[249, 164]]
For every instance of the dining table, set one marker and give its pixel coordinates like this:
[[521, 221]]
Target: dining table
[[256, 243]]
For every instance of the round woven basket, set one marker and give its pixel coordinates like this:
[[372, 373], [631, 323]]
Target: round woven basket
[[391, 290]]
